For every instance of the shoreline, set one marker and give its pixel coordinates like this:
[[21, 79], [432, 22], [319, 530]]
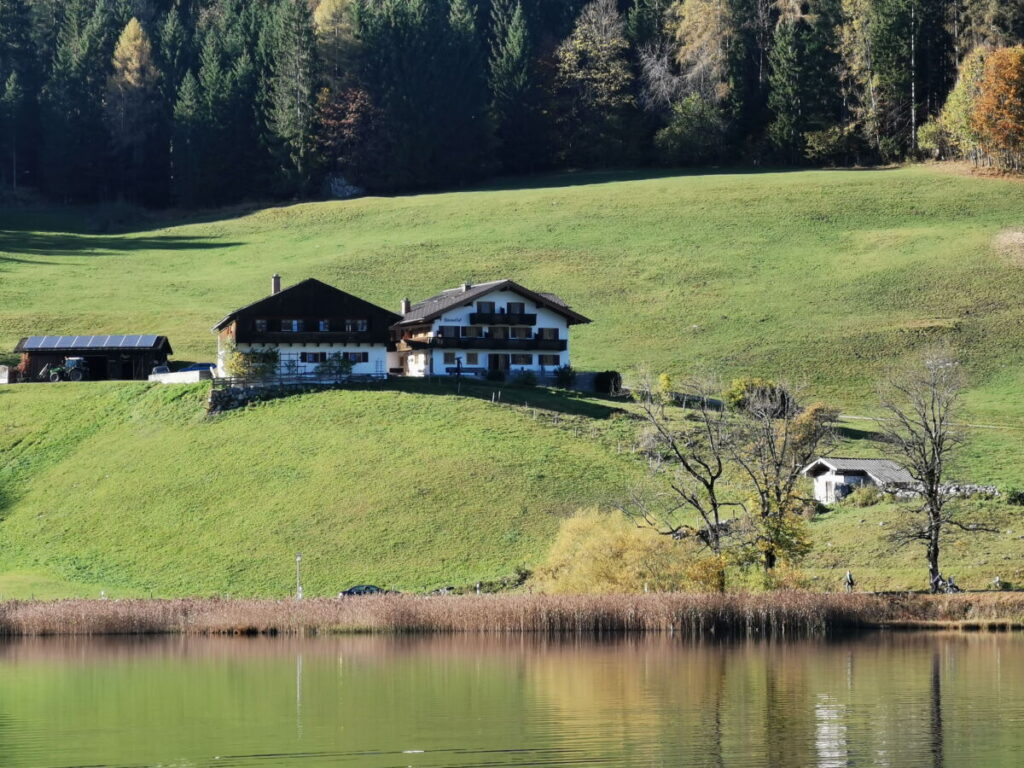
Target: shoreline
[[777, 615]]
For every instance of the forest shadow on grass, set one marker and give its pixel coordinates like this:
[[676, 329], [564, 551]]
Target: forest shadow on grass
[[15, 245]]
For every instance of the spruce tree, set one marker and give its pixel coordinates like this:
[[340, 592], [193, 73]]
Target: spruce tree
[[292, 95], [514, 108], [186, 142]]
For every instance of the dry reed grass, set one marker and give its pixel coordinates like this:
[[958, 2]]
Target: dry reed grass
[[778, 614]]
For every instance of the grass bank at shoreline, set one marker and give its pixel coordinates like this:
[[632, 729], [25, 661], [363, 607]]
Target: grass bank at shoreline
[[776, 615]]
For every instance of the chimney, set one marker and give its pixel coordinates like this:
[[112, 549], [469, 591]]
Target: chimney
[[406, 306], [275, 285], [466, 287]]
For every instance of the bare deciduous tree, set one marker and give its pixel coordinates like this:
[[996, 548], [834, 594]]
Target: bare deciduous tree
[[923, 403], [776, 440], [692, 454]]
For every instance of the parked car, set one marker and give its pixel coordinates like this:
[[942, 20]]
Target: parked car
[[366, 589], [160, 369], [199, 367]]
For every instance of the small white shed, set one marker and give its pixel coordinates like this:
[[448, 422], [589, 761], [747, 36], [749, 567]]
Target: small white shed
[[836, 478]]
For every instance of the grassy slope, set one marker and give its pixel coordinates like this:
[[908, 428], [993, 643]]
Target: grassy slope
[[821, 276], [406, 489]]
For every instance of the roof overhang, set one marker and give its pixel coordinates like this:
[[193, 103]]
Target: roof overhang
[[574, 318]]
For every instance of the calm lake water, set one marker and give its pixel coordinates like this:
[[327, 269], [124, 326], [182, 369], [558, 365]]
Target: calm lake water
[[877, 700]]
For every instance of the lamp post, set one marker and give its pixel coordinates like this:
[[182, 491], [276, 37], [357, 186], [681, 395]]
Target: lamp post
[[298, 575]]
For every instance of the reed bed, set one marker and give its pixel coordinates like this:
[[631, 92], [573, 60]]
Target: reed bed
[[776, 615]]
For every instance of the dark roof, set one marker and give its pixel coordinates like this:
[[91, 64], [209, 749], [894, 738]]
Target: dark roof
[[882, 471], [307, 293], [429, 309], [94, 343]]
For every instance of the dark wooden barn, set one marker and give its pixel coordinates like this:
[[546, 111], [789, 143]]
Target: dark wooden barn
[[128, 356]]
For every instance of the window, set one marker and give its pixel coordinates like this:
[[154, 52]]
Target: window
[[472, 332], [358, 357], [449, 331], [472, 358], [449, 358], [356, 326], [522, 359], [522, 332], [260, 325], [550, 361], [292, 326], [312, 357], [486, 307], [548, 333], [324, 326], [516, 308]]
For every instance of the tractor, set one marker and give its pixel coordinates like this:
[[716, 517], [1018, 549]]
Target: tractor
[[73, 369]]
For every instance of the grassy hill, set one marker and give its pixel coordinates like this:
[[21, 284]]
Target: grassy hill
[[821, 276], [130, 487]]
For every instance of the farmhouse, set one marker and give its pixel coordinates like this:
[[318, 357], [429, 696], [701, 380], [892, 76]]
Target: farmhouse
[[498, 327], [836, 478], [123, 356], [309, 324]]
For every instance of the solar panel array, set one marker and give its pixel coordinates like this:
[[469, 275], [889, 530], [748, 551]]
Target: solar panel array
[[43, 343]]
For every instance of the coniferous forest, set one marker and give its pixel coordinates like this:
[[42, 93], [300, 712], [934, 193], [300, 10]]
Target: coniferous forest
[[206, 102]]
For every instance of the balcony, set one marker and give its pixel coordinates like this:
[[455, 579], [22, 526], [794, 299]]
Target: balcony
[[502, 318], [447, 342]]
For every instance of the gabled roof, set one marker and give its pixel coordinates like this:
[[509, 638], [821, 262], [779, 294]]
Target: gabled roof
[[95, 343], [882, 471], [430, 309], [307, 293]]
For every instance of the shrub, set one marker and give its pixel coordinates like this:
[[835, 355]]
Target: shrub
[[495, 375], [1015, 496], [337, 366], [694, 134], [602, 553], [742, 392], [832, 146], [524, 378], [565, 377], [865, 496], [608, 383], [254, 364]]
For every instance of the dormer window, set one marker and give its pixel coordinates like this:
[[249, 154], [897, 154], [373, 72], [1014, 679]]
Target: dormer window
[[516, 308], [292, 326], [485, 307], [324, 326], [260, 325]]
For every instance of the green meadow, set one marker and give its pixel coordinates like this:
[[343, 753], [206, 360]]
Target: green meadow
[[820, 277]]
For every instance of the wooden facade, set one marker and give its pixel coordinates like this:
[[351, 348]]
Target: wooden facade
[[308, 313], [116, 360]]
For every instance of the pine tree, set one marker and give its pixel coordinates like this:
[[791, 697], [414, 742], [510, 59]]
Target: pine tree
[[292, 94]]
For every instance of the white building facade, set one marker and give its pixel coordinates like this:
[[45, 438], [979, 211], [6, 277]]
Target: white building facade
[[498, 328]]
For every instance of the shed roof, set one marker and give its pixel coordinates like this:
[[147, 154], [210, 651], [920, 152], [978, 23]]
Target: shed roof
[[429, 309], [95, 343], [882, 471]]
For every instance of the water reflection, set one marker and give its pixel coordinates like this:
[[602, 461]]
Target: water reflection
[[881, 700]]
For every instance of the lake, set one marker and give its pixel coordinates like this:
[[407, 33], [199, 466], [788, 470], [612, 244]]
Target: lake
[[875, 700]]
